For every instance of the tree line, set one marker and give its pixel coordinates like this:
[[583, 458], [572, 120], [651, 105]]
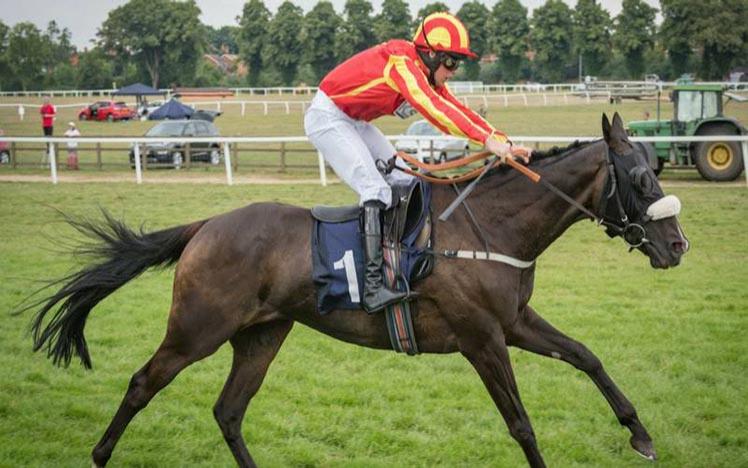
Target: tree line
[[162, 42]]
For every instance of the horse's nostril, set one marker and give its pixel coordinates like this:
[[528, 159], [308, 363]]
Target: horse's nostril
[[679, 247]]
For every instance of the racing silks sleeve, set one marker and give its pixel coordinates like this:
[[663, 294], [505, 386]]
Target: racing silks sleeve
[[403, 75], [472, 115]]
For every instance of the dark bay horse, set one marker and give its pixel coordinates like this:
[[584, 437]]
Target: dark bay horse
[[245, 277]]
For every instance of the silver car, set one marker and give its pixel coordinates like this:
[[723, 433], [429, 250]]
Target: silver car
[[443, 150]]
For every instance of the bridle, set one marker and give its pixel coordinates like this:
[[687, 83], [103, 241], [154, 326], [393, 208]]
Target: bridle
[[614, 218], [633, 233], [618, 223]]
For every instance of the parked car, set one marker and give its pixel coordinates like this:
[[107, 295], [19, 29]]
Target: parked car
[[443, 150], [107, 110], [205, 114], [173, 153], [149, 106]]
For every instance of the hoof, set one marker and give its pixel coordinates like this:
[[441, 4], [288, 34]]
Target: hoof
[[645, 448]]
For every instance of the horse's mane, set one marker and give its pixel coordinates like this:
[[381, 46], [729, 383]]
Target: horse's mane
[[538, 156], [557, 150]]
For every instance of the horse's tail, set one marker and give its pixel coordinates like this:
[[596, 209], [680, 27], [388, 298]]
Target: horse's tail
[[123, 254]]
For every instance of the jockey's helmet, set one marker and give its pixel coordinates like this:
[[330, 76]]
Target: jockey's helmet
[[443, 32]]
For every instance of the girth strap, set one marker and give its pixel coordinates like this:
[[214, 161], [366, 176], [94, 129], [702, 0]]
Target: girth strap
[[491, 256]]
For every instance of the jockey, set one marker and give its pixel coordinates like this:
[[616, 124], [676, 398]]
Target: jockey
[[400, 78]]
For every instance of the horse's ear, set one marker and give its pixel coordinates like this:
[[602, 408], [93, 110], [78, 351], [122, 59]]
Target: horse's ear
[[617, 131], [618, 123], [606, 128]]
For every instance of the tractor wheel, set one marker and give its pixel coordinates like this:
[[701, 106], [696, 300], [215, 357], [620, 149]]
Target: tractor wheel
[[719, 160], [110, 118]]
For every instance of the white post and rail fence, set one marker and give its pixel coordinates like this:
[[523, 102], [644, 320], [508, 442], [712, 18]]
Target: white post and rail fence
[[458, 87], [224, 145]]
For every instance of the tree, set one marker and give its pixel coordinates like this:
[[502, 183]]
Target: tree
[[474, 16], [95, 70], [721, 35], [551, 38], [223, 38], [27, 53], [592, 35], [253, 26], [508, 28], [284, 47], [393, 22], [435, 7], [163, 37], [59, 42], [355, 33], [320, 25], [635, 34], [717, 29], [677, 28], [4, 70]]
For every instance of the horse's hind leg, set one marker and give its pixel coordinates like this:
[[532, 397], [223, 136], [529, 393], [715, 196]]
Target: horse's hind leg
[[254, 349], [183, 345], [534, 334]]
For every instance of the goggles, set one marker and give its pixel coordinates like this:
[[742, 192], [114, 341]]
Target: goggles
[[450, 62]]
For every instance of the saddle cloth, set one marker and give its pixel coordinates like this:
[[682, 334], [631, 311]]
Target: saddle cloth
[[338, 253]]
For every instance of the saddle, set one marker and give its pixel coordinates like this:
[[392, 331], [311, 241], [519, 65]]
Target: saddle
[[338, 258]]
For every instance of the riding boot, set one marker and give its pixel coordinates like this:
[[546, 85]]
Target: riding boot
[[376, 294]]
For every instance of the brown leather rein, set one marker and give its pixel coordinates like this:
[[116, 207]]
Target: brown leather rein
[[470, 175]]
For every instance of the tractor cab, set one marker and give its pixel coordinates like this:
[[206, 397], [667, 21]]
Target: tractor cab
[[695, 103], [697, 111]]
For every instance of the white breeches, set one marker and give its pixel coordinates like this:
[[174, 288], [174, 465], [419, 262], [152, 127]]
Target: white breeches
[[352, 147]]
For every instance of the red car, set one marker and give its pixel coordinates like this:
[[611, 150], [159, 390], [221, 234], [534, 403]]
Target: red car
[[107, 110]]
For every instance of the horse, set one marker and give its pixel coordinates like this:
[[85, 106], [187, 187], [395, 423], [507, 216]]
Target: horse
[[245, 277]]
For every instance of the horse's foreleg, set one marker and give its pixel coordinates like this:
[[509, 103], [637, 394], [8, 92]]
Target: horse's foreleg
[[491, 361], [534, 334], [254, 349]]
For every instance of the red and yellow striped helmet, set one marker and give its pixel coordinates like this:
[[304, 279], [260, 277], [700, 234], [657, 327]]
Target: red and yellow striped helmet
[[443, 32]]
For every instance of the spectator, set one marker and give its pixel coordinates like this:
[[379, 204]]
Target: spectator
[[48, 112], [4, 152], [21, 112], [72, 132]]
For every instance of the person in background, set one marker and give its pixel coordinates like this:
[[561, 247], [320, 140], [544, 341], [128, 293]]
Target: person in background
[[21, 112], [4, 152], [72, 132], [48, 112]]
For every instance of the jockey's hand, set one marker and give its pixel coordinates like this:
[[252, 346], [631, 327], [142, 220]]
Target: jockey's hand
[[522, 152], [502, 150], [505, 150]]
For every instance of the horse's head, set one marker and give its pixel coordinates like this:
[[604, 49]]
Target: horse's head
[[634, 205]]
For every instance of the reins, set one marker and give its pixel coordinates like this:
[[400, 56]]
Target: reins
[[633, 234]]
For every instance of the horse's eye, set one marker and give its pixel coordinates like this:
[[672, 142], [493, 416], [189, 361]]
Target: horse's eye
[[640, 180], [646, 183]]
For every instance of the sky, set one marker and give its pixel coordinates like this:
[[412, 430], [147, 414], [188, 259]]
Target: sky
[[83, 17]]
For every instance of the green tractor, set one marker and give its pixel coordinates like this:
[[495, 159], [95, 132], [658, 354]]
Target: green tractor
[[698, 112]]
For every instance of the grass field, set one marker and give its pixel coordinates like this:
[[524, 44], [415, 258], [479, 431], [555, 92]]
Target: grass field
[[673, 340]]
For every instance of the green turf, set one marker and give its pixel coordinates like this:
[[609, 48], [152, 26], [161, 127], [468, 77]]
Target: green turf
[[673, 340]]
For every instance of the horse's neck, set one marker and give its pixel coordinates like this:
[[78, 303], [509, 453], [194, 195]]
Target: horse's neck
[[521, 218]]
